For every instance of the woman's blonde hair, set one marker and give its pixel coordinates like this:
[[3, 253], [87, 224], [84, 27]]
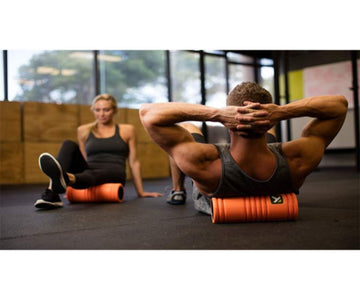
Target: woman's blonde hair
[[106, 97]]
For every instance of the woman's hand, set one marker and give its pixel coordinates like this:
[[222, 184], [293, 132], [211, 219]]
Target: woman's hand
[[150, 194]]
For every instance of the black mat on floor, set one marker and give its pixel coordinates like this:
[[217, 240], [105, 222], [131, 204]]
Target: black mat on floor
[[328, 219]]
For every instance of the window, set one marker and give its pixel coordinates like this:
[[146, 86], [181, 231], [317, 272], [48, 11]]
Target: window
[[240, 73], [239, 58], [267, 79], [51, 76], [133, 77], [215, 81], [185, 77], [266, 62], [216, 52]]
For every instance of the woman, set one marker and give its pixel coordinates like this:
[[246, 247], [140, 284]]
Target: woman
[[100, 157]]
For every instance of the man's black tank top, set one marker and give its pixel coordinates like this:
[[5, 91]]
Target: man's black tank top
[[235, 183], [112, 150]]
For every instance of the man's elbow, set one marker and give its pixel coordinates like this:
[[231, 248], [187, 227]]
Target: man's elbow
[[144, 109], [145, 114], [343, 105]]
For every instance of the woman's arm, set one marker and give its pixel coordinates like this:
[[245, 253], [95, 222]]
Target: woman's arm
[[134, 164], [83, 132]]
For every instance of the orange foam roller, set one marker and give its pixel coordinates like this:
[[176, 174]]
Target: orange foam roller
[[255, 209], [108, 192]]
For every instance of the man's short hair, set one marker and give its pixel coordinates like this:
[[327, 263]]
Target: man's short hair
[[248, 91]]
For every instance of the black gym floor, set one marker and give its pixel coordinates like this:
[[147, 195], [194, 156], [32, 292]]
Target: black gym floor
[[328, 219]]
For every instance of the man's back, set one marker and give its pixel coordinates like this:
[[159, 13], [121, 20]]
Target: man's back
[[235, 182], [248, 123]]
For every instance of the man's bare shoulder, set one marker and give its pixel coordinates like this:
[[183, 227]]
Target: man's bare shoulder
[[303, 156], [303, 147], [195, 158], [198, 151], [202, 163]]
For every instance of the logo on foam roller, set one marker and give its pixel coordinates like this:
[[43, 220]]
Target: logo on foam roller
[[276, 199]]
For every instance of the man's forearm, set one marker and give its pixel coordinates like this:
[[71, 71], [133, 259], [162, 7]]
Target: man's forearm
[[320, 107], [167, 114]]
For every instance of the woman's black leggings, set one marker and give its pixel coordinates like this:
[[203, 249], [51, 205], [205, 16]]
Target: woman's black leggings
[[88, 174]]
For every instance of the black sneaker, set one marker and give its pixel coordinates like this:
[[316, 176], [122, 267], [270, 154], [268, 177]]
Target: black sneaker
[[176, 197], [48, 200], [52, 168]]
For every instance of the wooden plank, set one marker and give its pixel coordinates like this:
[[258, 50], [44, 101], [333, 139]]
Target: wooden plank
[[48, 122], [154, 161], [32, 151], [86, 115], [134, 119], [10, 121], [11, 163]]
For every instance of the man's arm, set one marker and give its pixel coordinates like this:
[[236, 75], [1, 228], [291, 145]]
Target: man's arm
[[160, 119], [198, 161], [328, 113]]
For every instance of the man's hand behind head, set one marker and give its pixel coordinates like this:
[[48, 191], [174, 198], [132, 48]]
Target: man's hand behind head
[[254, 119]]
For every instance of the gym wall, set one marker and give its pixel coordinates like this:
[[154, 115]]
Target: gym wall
[[325, 79], [29, 128]]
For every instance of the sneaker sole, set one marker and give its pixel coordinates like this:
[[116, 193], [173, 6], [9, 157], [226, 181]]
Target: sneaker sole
[[176, 202], [50, 166], [47, 205], [177, 199]]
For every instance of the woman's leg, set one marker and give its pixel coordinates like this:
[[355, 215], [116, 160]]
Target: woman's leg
[[70, 157], [69, 161], [99, 174]]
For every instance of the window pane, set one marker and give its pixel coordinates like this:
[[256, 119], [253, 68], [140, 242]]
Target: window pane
[[238, 74], [215, 81], [267, 79], [240, 58], [185, 77], [219, 52], [266, 62], [51, 76], [133, 77], [2, 96]]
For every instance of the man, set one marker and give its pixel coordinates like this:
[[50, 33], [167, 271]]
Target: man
[[248, 165]]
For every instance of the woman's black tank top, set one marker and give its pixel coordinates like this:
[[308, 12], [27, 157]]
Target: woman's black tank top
[[112, 150]]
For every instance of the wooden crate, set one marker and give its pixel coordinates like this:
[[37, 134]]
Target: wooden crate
[[10, 121], [11, 163], [154, 161], [32, 150], [48, 122], [134, 119]]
